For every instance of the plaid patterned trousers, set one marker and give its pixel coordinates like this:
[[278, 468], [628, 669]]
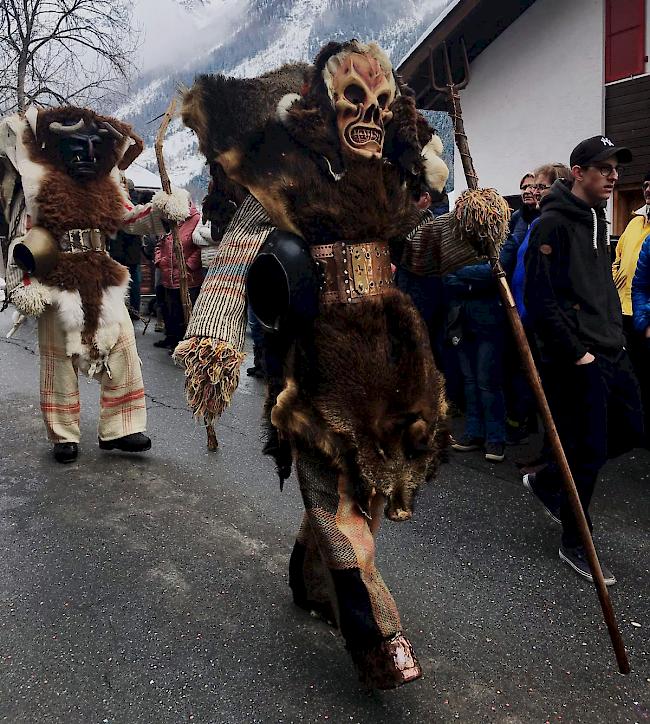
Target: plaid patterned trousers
[[333, 562], [122, 403]]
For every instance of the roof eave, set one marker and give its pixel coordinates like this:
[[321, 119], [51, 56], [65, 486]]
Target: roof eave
[[438, 31]]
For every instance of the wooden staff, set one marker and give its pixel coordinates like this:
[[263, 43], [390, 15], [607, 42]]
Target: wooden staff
[[178, 246], [452, 90], [167, 188]]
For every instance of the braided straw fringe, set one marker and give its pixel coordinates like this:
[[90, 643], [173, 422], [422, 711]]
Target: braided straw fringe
[[211, 374], [482, 218]]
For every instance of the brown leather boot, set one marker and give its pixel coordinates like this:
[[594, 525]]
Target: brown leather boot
[[389, 664]]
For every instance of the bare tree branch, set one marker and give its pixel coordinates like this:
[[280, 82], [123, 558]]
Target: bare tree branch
[[55, 51]]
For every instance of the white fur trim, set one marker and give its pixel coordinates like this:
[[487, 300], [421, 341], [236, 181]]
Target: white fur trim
[[31, 114], [284, 104], [175, 206], [32, 174], [69, 309], [32, 299], [436, 172], [434, 146]]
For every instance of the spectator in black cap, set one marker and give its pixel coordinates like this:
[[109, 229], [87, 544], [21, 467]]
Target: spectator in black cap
[[575, 313]]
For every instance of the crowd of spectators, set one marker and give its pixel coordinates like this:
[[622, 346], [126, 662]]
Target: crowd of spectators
[[585, 308]]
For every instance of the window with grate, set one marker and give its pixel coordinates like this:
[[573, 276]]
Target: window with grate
[[625, 39]]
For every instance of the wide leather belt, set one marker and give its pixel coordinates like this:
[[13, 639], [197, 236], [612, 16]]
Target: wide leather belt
[[83, 240], [352, 271]]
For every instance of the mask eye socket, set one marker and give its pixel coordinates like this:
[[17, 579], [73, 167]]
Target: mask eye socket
[[383, 100], [355, 94]]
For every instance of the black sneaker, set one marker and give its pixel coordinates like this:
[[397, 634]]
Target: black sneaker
[[577, 559], [495, 452], [550, 501], [467, 443], [516, 435]]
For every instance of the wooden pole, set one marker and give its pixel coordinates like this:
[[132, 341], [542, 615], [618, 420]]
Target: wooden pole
[[534, 378], [186, 302], [167, 188]]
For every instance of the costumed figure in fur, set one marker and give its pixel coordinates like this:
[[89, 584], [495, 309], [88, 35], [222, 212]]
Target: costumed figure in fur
[[63, 196], [357, 401]]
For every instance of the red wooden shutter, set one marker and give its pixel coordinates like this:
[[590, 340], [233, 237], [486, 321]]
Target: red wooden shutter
[[625, 39]]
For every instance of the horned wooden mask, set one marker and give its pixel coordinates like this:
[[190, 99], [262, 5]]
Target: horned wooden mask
[[362, 89]]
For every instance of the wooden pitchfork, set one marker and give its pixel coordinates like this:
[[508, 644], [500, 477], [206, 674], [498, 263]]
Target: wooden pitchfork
[[451, 89]]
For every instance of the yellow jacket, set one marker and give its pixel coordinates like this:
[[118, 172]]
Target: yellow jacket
[[627, 255]]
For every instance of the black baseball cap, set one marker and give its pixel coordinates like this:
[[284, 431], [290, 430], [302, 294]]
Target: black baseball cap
[[598, 148]]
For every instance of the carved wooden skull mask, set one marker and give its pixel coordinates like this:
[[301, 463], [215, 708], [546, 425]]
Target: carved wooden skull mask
[[362, 93]]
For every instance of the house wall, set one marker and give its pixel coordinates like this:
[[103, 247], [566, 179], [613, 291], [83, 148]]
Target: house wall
[[627, 121], [647, 35], [535, 92]]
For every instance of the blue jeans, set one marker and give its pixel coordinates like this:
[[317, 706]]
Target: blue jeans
[[480, 355], [257, 331], [427, 295]]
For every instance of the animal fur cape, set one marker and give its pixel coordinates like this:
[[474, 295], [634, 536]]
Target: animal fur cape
[[360, 384]]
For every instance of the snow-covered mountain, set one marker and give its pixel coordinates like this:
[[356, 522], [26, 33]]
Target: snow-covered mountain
[[248, 37]]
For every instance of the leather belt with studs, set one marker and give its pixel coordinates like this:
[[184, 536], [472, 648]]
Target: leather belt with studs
[[351, 271]]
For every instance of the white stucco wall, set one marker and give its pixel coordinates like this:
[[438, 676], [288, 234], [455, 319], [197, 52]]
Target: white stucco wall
[[535, 92]]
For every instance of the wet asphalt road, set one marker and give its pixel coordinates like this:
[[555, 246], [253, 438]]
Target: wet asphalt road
[[154, 588]]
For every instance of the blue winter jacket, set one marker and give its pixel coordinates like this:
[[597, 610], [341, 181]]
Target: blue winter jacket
[[519, 274], [641, 289], [519, 226], [473, 288]]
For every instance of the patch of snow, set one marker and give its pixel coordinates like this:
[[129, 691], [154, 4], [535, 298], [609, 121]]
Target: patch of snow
[[182, 156], [292, 45], [144, 95]]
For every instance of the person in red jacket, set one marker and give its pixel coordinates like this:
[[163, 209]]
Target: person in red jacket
[[165, 261]]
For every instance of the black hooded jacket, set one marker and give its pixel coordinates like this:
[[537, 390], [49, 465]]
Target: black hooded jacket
[[569, 291]]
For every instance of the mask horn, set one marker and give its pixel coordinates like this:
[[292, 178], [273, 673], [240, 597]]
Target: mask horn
[[60, 130], [107, 128]]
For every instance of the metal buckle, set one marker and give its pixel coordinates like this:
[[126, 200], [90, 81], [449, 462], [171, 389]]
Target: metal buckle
[[84, 240], [362, 276], [75, 239]]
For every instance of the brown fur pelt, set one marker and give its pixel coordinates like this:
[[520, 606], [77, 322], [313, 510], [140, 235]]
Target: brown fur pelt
[[364, 390], [89, 273], [222, 111], [301, 196], [361, 385], [65, 203]]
